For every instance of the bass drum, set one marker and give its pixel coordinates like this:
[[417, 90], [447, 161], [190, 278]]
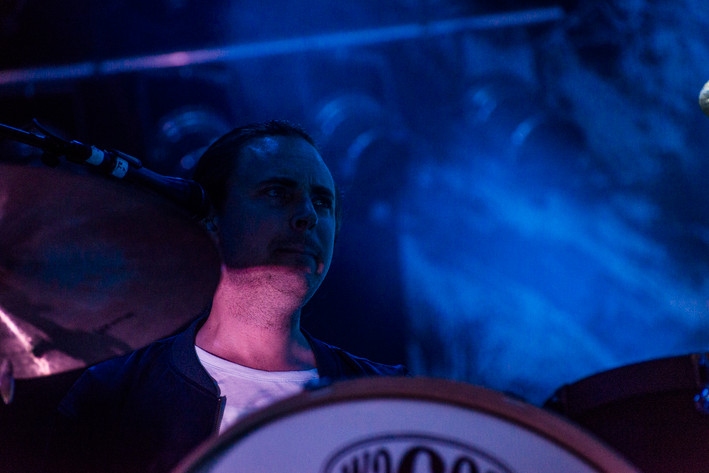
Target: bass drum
[[403, 425], [647, 411]]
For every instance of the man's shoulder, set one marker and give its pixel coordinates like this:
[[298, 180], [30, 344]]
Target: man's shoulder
[[108, 379], [368, 366], [162, 351], [135, 360], [335, 362]]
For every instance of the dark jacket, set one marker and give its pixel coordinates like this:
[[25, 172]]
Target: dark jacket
[[147, 410]]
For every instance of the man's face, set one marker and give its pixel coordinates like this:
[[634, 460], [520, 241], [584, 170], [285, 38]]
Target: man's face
[[278, 221]]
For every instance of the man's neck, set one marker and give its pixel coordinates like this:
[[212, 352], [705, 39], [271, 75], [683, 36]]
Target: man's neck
[[256, 326]]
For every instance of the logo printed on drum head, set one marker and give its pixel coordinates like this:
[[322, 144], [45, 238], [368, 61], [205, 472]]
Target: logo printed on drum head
[[412, 453]]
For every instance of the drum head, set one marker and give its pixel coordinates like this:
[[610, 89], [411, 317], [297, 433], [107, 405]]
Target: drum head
[[404, 425], [646, 411]]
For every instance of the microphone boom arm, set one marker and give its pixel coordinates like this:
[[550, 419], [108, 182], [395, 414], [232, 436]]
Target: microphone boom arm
[[186, 193]]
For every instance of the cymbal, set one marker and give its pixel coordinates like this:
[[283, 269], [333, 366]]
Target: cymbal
[[91, 267]]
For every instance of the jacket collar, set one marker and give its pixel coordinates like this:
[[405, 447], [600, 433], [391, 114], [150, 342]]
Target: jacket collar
[[184, 357]]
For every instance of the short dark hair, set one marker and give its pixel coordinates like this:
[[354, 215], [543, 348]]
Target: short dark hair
[[218, 162]]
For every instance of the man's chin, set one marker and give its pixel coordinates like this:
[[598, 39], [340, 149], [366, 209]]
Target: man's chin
[[293, 279]]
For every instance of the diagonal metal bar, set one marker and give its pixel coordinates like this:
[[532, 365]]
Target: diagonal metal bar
[[286, 46]]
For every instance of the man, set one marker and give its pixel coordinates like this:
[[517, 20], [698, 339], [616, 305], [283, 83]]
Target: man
[[275, 219]]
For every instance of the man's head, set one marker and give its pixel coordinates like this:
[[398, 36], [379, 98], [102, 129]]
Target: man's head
[[274, 201], [219, 160]]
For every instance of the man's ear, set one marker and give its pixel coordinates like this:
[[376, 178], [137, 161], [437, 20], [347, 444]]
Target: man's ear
[[210, 224]]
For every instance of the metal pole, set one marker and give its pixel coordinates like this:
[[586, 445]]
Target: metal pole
[[280, 47]]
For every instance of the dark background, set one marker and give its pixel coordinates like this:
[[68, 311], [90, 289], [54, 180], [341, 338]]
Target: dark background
[[524, 182]]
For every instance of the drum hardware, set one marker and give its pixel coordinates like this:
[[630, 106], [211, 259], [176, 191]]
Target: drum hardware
[[186, 193], [701, 400], [7, 381], [26, 424], [649, 411]]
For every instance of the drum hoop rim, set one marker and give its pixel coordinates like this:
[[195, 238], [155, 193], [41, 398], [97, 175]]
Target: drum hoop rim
[[561, 432]]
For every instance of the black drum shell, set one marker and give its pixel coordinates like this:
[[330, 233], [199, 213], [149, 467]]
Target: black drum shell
[[646, 411]]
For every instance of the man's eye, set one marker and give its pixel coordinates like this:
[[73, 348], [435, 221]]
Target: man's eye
[[276, 192], [323, 202]]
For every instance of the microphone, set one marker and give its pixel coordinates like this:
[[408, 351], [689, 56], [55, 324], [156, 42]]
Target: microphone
[[186, 193], [704, 99]]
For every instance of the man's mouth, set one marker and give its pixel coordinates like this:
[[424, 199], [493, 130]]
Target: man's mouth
[[295, 250], [303, 253]]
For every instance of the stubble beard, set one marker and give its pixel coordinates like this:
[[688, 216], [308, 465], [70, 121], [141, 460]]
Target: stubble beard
[[267, 296]]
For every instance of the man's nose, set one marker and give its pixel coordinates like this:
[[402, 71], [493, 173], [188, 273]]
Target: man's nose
[[304, 216]]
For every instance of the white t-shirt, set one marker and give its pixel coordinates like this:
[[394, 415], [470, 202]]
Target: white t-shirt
[[247, 389]]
